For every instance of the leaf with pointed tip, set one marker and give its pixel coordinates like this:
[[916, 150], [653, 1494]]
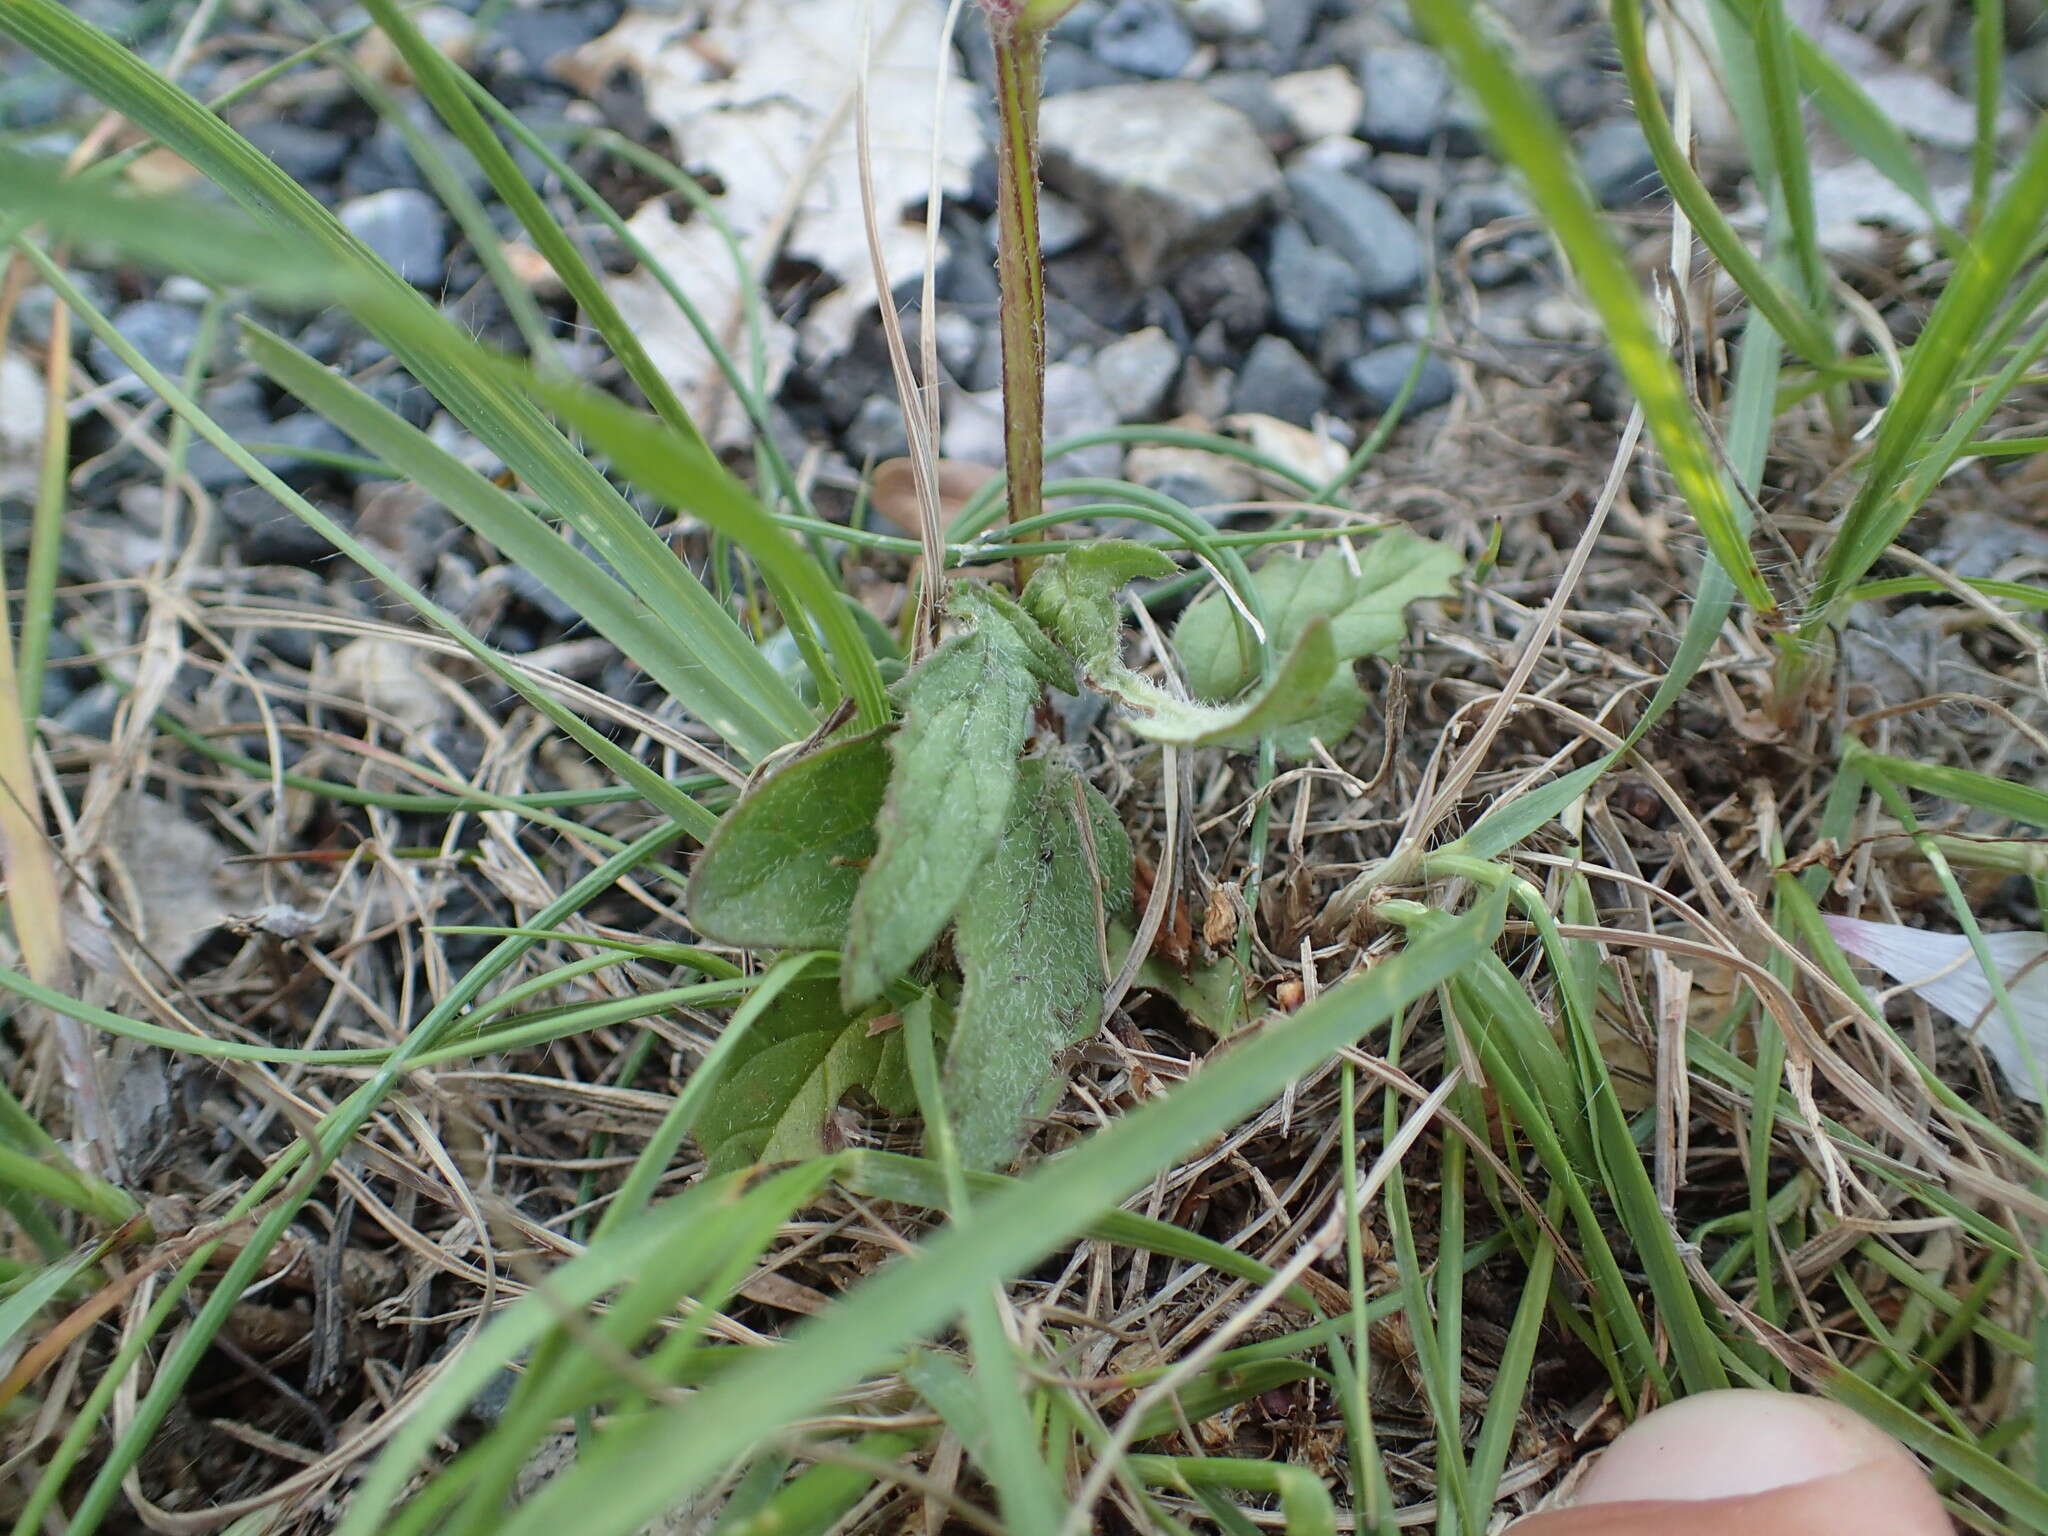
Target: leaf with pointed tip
[[781, 870], [1030, 952], [964, 720], [798, 1063]]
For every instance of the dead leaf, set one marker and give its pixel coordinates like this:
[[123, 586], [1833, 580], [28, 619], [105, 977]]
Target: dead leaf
[[389, 677], [894, 493], [760, 95]]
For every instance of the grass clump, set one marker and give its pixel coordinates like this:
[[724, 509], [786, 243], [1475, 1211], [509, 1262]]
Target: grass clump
[[1639, 1128]]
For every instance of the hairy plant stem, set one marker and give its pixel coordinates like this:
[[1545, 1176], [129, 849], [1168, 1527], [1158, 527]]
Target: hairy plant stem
[[1020, 64]]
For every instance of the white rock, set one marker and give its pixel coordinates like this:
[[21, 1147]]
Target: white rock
[[1219, 20], [1336, 152], [1560, 317], [1320, 103], [389, 677], [757, 93], [24, 409], [1168, 167], [1074, 404], [1137, 373]]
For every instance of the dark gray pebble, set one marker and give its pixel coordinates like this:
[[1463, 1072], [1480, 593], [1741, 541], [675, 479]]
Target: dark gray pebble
[[1312, 288], [405, 228], [1378, 377], [1144, 37], [1276, 380], [1361, 224], [164, 333]]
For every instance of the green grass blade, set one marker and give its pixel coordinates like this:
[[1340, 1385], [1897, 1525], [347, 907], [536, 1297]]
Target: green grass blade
[[1528, 137], [1987, 53], [1770, 298], [1784, 121], [1983, 1475], [333, 1134], [647, 454], [2016, 592], [676, 1449], [1908, 432], [498, 518], [21, 1305], [657, 789], [737, 692], [2021, 802], [441, 84]]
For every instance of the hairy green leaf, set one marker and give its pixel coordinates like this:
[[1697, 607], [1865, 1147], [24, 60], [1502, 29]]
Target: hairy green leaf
[[987, 604], [781, 869], [965, 717], [1365, 609], [1030, 952], [803, 1056], [1075, 597], [1365, 613]]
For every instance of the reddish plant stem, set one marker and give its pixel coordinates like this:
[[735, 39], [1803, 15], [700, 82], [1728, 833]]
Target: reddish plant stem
[[1020, 61]]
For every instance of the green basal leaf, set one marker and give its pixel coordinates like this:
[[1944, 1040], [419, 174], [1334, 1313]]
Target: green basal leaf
[[780, 871], [1212, 995], [1074, 597], [965, 716], [1365, 608], [1029, 949], [803, 1056]]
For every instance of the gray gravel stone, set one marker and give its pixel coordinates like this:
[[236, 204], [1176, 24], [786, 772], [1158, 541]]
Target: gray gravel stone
[[1361, 224], [1170, 169], [301, 430], [1062, 225], [1378, 377], [92, 712], [1251, 92], [1071, 67], [1074, 404], [1224, 288], [877, 431], [406, 228], [1407, 97], [1144, 37], [266, 533], [1220, 20], [1410, 100], [1312, 288], [1407, 179], [531, 38], [1276, 380], [163, 333], [1615, 158], [1137, 373], [302, 153], [62, 684]]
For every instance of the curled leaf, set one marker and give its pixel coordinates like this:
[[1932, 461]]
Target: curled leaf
[[1364, 609], [1075, 598], [1941, 969]]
